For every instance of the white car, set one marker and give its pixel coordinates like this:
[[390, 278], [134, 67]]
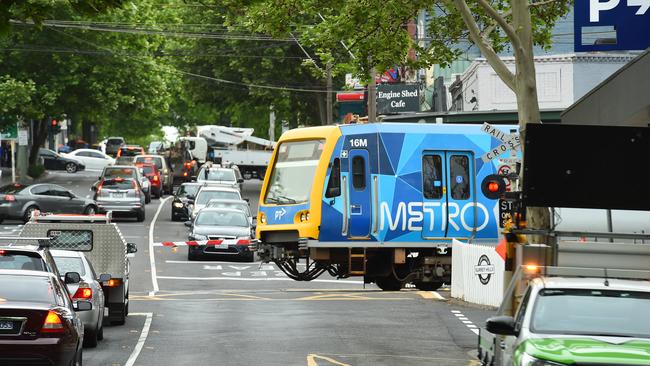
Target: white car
[[207, 193], [93, 159]]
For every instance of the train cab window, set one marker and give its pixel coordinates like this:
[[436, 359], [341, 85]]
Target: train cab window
[[334, 184], [358, 173], [459, 177], [432, 176]]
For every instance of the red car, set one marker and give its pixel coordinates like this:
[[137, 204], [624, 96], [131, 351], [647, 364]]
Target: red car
[[39, 324], [153, 174]]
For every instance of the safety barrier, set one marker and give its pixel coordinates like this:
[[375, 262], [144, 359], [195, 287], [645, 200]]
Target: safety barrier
[[477, 273]]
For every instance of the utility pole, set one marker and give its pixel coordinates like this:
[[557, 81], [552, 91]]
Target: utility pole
[[372, 95], [272, 124], [330, 107]]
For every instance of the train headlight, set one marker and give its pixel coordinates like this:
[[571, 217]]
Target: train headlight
[[304, 216], [262, 218]]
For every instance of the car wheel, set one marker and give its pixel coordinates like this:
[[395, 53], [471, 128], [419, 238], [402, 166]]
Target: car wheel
[[140, 216], [100, 334], [175, 217], [1, 220], [191, 256], [28, 213], [78, 358], [147, 197], [71, 167], [91, 338], [90, 210]]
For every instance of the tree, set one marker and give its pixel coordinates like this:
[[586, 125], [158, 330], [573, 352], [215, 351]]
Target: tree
[[375, 32]]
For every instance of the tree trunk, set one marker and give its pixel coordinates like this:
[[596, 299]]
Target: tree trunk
[[40, 135]]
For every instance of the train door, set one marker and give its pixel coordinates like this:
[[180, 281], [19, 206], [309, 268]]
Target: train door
[[447, 194], [359, 188]]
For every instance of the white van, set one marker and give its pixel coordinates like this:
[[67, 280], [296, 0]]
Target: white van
[[198, 146]]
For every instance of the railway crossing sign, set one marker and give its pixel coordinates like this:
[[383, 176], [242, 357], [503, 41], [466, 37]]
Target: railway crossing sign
[[510, 142]]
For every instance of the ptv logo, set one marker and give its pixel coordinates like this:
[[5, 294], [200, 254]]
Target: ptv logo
[[596, 7], [280, 213]]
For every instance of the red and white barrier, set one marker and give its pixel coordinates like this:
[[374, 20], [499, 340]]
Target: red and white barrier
[[222, 243]]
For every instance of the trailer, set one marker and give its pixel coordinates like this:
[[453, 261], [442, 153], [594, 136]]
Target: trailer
[[102, 243]]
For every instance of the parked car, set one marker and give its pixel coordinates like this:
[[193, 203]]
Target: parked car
[[55, 161], [180, 205], [18, 201], [130, 150], [113, 144], [163, 166], [237, 204], [121, 195], [151, 172], [39, 323], [207, 193], [219, 176], [92, 159], [220, 224], [88, 289], [126, 171]]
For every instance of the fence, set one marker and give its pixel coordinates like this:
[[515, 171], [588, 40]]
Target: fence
[[477, 273]]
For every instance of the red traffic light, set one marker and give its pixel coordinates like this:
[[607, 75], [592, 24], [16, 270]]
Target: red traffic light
[[54, 123], [493, 186]]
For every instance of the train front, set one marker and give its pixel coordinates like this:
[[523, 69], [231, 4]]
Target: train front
[[290, 200]]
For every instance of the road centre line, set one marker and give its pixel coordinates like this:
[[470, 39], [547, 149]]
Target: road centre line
[[152, 257], [141, 340], [248, 279]]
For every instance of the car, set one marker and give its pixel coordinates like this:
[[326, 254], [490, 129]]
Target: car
[[92, 159], [130, 150], [113, 144], [221, 224], [19, 201], [55, 161], [207, 193], [39, 323], [27, 257], [88, 289], [163, 166], [184, 193], [121, 195], [212, 175], [242, 205], [151, 172], [126, 171]]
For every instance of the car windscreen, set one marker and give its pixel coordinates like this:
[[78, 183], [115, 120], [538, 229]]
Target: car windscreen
[[205, 196], [120, 173], [225, 175], [216, 218], [592, 312], [187, 190], [150, 160], [118, 184], [70, 264], [21, 260], [11, 188], [26, 288]]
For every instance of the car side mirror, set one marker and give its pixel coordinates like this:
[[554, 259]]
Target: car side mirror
[[72, 277], [131, 248], [188, 223], [104, 277], [503, 325], [240, 180], [193, 177], [82, 306], [247, 200], [190, 201]]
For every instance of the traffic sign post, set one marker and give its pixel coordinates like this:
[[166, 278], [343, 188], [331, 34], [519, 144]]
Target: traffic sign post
[[510, 142]]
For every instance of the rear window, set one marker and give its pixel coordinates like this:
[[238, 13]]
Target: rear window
[[150, 160], [147, 169], [186, 190], [221, 218], [205, 196], [218, 175], [114, 141], [21, 260], [70, 264], [131, 151], [26, 288], [118, 183], [121, 173], [11, 188]]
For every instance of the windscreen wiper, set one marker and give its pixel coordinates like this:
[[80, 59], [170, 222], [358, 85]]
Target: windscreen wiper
[[286, 199]]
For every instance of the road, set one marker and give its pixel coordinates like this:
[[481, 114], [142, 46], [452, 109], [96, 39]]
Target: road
[[225, 313]]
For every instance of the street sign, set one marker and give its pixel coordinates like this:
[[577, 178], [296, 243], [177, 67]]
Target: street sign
[[23, 137], [504, 170], [9, 132], [505, 212], [396, 98], [510, 142], [629, 21]]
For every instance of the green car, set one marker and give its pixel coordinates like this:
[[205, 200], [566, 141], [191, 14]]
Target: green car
[[573, 321]]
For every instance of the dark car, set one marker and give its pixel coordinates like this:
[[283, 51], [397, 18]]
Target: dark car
[[227, 224], [39, 324], [113, 144], [179, 204], [18, 201], [55, 161]]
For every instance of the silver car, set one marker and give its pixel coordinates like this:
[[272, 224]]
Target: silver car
[[121, 195], [227, 224], [237, 204], [208, 193], [89, 289], [226, 177]]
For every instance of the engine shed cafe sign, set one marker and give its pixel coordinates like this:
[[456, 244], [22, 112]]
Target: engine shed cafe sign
[[397, 98]]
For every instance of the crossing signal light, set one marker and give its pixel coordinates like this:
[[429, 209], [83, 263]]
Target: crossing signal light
[[55, 126], [493, 186]]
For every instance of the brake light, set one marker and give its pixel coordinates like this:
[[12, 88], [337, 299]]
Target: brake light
[[83, 293], [53, 323], [10, 198], [155, 178], [2, 252], [113, 282], [243, 242], [185, 174], [188, 165]]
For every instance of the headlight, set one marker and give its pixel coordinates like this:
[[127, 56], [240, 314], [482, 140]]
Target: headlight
[[304, 216], [198, 237], [528, 360], [262, 218], [178, 204]]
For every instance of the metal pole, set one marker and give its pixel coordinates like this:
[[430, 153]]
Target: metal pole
[[13, 161], [272, 124], [372, 96], [610, 225], [330, 107]]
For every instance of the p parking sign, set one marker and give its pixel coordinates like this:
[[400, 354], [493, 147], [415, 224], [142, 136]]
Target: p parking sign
[[628, 19]]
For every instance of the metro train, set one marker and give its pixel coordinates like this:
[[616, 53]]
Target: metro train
[[381, 200]]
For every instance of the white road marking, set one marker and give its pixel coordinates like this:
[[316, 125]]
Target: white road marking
[[141, 340], [249, 279], [222, 262], [467, 323], [212, 268], [152, 257]]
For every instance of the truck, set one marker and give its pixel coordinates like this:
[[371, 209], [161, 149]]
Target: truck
[[238, 146], [102, 243]]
